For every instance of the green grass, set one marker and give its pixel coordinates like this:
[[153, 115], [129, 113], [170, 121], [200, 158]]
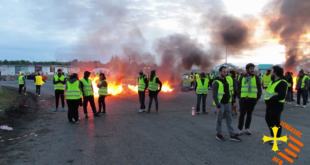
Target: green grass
[[7, 98]]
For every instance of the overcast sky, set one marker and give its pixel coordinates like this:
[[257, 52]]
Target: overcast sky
[[64, 30]]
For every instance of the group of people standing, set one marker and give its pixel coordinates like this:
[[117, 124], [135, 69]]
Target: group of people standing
[[248, 89]]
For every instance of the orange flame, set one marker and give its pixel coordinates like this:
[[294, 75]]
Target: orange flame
[[294, 82], [113, 89], [165, 88]]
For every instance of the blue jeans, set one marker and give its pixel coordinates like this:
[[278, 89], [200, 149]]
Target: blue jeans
[[156, 101], [204, 98], [225, 110], [302, 93], [288, 96]]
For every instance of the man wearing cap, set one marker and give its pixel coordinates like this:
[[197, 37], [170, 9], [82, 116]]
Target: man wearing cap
[[301, 87], [59, 82], [88, 94], [142, 86], [201, 89], [266, 79]]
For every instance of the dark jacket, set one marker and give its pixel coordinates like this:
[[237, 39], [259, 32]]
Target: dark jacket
[[258, 84], [290, 80], [226, 96], [274, 103]]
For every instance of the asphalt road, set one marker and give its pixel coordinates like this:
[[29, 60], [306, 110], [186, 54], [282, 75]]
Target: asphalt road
[[122, 136]]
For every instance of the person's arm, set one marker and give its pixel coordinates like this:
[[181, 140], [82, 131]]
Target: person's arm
[[159, 82], [62, 82], [81, 85], [239, 87], [54, 82], [24, 79], [215, 88], [146, 82], [306, 84], [259, 87], [196, 86], [281, 90], [34, 79]]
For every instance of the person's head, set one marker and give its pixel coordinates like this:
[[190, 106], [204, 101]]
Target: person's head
[[23, 74], [222, 71], [301, 73], [288, 74], [232, 74], [59, 71], [191, 72], [102, 76], [268, 70], [276, 71], [140, 72], [86, 74], [39, 73], [202, 75], [250, 68], [74, 76]]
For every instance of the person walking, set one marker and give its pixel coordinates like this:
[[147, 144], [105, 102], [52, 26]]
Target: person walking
[[59, 82], [142, 86], [153, 90], [250, 91], [22, 83], [73, 98], [38, 81], [301, 87], [274, 99], [290, 87], [88, 94], [103, 92], [201, 89], [221, 99]]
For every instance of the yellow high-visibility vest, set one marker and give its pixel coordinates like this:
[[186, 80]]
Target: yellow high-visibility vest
[[270, 91]]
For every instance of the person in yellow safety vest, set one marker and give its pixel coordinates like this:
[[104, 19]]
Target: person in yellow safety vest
[[302, 83], [38, 81], [59, 82], [211, 78], [153, 90], [201, 89], [222, 100], [192, 80], [142, 86], [196, 76], [290, 87], [22, 84], [103, 92], [274, 99], [234, 87], [88, 94], [266, 79], [73, 97], [249, 92]]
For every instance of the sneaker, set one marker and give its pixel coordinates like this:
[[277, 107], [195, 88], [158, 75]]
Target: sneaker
[[235, 138], [278, 142], [86, 116], [141, 110], [297, 105], [96, 114], [205, 112], [76, 122], [144, 110], [63, 109], [55, 110], [240, 132], [220, 137], [247, 131], [304, 106]]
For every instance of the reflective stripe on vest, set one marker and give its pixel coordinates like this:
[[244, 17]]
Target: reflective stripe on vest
[[153, 86], [220, 91], [103, 91], [249, 91], [266, 80], [73, 91], [21, 80], [87, 87], [141, 85], [270, 91], [202, 88], [59, 86]]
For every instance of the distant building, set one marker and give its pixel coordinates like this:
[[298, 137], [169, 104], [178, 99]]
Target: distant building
[[44, 69]]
